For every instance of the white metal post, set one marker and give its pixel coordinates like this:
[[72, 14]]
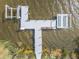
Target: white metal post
[[5, 11], [70, 15], [18, 12], [11, 12]]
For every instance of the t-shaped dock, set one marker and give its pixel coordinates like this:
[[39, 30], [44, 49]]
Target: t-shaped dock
[[38, 25]]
